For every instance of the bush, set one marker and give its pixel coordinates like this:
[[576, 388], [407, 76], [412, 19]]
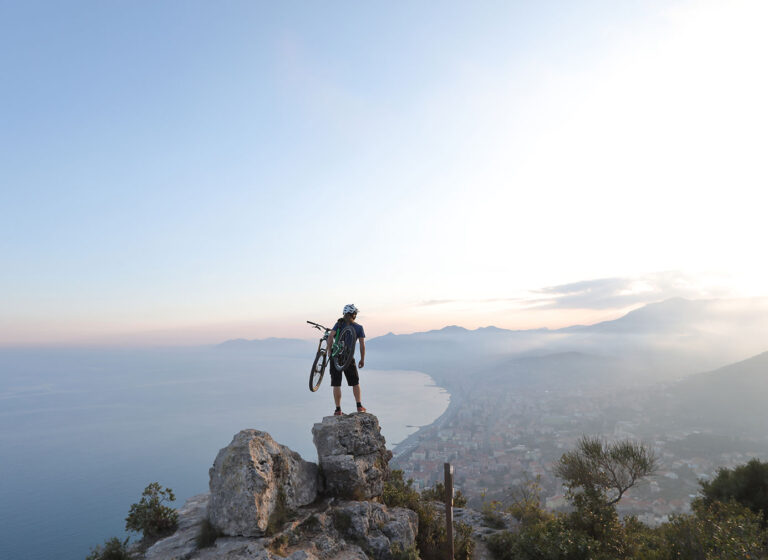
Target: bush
[[463, 544], [150, 516], [432, 537], [114, 549], [399, 493], [437, 494], [745, 484], [712, 532], [525, 502], [400, 553], [492, 515], [550, 540]]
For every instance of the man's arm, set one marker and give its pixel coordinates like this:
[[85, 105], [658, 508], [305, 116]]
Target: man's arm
[[362, 352]]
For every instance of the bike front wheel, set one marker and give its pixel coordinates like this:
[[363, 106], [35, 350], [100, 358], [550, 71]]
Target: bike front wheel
[[346, 348], [318, 370]]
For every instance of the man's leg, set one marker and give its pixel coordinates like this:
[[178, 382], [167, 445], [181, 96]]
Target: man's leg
[[336, 384], [356, 391]]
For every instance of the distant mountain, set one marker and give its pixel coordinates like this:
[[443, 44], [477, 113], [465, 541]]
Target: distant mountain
[[271, 346], [731, 399], [661, 341], [676, 315]]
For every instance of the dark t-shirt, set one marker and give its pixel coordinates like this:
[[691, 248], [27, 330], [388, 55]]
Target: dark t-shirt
[[359, 330]]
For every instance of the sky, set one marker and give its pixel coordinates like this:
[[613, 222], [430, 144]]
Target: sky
[[186, 172]]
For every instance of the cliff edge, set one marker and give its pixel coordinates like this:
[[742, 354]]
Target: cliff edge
[[266, 502]]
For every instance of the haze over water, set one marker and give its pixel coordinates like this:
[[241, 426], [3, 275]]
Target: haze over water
[[84, 431]]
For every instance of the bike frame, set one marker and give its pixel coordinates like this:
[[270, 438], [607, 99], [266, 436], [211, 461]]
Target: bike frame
[[324, 338]]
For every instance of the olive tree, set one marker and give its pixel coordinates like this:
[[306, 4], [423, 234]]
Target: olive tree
[[605, 470]]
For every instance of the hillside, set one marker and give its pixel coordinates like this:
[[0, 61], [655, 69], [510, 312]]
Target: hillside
[[729, 400]]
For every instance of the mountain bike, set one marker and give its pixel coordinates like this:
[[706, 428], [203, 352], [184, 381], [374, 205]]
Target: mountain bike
[[342, 352]]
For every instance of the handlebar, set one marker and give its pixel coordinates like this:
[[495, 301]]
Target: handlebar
[[319, 326]]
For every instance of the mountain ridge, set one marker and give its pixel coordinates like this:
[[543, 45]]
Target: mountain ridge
[[641, 316]]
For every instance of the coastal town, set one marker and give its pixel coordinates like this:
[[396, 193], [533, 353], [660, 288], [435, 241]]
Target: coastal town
[[497, 441]]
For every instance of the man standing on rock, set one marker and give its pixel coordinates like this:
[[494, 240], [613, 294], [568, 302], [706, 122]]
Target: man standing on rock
[[350, 372]]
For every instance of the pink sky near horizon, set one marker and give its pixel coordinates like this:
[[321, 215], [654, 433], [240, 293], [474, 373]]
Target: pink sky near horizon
[[376, 324]]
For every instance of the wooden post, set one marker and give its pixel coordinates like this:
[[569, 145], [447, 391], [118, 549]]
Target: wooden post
[[449, 509]]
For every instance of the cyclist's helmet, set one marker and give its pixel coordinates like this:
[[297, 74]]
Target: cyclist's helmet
[[350, 309]]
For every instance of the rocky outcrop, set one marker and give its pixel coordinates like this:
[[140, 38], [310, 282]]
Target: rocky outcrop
[[264, 503], [327, 530], [353, 456], [184, 542], [251, 478]]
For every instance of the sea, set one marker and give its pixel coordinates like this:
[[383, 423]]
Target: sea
[[84, 431]]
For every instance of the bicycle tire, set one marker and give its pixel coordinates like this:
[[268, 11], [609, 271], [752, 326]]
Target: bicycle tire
[[346, 352], [318, 370]]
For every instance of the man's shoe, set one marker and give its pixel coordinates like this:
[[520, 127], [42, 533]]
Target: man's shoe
[[337, 413], [361, 408]]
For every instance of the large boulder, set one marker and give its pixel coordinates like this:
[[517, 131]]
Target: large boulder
[[353, 456], [251, 478]]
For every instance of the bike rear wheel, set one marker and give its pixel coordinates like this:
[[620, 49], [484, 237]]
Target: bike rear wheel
[[346, 347], [318, 370]]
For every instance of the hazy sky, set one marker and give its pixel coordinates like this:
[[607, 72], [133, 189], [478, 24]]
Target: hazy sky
[[189, 171]]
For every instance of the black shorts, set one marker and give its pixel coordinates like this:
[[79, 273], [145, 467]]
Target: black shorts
[[350, 372]]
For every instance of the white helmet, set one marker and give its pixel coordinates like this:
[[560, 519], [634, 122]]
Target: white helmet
[[350, 309]]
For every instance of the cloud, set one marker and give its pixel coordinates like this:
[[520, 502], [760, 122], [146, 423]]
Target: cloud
[[614, 293], [431, 302]]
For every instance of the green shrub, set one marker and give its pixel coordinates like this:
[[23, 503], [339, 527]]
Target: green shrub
[[400, 553], [492, 515], [437, 494], [713, 531], [114, 549], [459, 500], [550, 540], [399, 493], [432, 537], [150, 516], [746, 484], [463, 544], [525, 502]]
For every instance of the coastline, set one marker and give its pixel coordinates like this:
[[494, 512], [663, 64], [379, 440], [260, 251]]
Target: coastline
[[405, 446]]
